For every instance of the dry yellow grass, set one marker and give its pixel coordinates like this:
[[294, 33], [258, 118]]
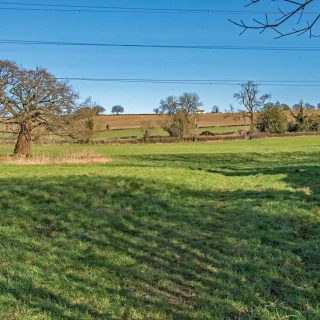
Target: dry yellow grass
[[62, 158]]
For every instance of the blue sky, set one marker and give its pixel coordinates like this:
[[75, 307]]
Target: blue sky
[[175, 29]]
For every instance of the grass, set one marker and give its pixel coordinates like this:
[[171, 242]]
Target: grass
[[135, 133], [5, 136], [122, 133], [188, 231], [222, 129]]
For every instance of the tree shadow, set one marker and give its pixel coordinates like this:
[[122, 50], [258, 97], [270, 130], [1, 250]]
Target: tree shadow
[[99, 247], [227, 161]]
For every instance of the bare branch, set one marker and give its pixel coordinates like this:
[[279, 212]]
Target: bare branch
[[285, 24]]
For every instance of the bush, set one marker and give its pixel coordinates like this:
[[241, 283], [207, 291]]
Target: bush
[[178, 125], [273, 120], [314, 124], [293, 127], [304, 122], [207, 134], [146, 129]]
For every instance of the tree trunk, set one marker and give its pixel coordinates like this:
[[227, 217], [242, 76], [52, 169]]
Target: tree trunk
[[23, 145], [252, 128], [252, 124]]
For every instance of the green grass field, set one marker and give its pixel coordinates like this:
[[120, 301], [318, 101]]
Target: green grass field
[[222, 130], [136, 133], [122, 133], [158, 132], [227, 230]]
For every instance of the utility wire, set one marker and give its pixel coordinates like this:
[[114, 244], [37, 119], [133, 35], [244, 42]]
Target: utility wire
[[90, 8], [127, 45], [282, 83]]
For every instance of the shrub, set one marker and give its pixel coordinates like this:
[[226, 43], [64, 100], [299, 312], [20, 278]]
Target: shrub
[[178, 124], [272, 119], [146, 129], [293, 127], [314, 124], [304, 122], [301, 119]]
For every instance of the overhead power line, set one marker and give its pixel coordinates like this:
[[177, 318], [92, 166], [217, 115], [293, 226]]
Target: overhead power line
[[23, 6], [208, 82], [158, 46]]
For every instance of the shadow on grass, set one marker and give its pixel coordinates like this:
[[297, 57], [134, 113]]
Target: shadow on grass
[[228, 161], [97, 247]]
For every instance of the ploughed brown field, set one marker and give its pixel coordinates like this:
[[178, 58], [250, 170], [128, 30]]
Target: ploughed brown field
[[136, 121]]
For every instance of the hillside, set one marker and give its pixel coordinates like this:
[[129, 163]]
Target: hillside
[[136, 121]]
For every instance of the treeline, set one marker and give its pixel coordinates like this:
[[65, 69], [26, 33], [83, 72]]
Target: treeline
[[284, 106], [182, 113]]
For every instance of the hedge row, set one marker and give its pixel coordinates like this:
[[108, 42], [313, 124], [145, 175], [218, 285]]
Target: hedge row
[[202, 138], [165, 140]]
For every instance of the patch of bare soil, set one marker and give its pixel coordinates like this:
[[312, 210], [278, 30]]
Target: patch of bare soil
[[63, 158]]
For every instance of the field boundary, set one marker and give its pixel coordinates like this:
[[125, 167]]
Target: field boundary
[[170, 140]]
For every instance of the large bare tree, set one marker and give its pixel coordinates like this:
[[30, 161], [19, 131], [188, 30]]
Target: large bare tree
[[189, 103], [249, 98], [293, 17], [170, 105], [30, 99]]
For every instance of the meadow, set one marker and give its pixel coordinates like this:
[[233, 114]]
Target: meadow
[[137, 132], [226, 230], [126, 133]]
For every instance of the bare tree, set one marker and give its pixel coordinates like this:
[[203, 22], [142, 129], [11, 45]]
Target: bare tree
[[33, 100], [248, 96], [190, 103], [30, 99], [170, 105], [156, 110], [292, 18], [231, 109], [309, 106]]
